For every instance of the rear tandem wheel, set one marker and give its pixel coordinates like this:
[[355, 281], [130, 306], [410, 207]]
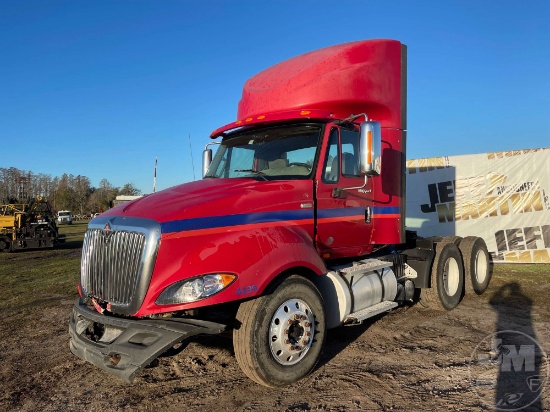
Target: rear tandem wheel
[[478, 267], [447, 278]]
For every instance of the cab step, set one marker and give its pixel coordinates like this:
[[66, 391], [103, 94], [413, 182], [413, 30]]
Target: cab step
[[359, 316]]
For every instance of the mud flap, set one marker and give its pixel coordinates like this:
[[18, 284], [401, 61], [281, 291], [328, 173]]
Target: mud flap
[[122, 346]]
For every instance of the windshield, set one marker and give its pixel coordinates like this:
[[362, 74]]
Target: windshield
[[64, 213], [272, 153]]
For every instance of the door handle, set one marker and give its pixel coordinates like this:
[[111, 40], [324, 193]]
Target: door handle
[[368, 214]]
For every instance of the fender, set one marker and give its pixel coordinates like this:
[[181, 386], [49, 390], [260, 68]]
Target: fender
[[257, 255]]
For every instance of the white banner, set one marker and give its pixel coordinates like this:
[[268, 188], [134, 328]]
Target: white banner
[[501, 197]]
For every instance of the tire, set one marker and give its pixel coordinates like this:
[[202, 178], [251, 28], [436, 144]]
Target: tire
[[5, 245], [478, 265], [452, 239], [447, 279], [270, 338]]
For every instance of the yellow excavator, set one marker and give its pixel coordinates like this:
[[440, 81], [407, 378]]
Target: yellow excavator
[[28, 225]]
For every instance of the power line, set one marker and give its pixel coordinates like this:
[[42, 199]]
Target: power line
[[191, 150]]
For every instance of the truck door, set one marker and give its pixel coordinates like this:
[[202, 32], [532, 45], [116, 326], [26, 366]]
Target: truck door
[[344, 208]]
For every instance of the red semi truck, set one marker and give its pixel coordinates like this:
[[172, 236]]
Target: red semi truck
[[296, 227]]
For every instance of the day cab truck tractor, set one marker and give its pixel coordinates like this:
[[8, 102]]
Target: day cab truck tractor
[[296, 227]]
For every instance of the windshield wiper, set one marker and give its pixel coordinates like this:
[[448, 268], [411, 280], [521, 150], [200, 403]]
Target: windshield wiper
[[256, 172]]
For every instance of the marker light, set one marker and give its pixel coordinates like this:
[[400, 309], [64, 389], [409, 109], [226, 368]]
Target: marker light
[[369, 143], [191, 290]]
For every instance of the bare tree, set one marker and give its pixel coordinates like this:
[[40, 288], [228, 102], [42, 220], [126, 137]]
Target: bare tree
[[82, 191], [66, 192]]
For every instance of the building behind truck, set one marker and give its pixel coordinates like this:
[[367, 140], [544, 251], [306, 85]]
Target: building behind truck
[[298, 226], [121, 199]]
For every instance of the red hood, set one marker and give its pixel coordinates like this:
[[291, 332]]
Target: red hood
[[214, 197]]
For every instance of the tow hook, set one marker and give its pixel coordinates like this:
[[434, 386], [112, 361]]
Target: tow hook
[[114, 359]]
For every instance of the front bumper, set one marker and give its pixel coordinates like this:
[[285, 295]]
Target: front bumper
[[128, 345]]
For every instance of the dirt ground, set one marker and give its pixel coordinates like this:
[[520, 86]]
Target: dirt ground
[[412, 359]]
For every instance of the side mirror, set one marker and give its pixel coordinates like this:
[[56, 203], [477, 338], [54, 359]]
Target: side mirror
[[370, 156], [206, 160]]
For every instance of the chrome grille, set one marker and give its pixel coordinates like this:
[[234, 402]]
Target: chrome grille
[[111, 265]]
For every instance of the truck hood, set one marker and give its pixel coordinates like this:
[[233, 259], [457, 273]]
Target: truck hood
[[217, 197]]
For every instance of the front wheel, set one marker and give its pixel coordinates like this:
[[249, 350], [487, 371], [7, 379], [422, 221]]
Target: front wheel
[[279, 337]]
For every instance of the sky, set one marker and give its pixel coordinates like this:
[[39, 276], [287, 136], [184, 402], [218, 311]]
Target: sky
[[102, 88]]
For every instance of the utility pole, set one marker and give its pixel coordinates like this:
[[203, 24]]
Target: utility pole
[[155, 177]]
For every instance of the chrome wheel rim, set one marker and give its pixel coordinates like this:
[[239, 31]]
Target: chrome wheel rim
[[291, 332]]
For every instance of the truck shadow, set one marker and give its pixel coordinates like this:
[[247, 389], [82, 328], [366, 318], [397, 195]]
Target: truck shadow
[[340, 338]]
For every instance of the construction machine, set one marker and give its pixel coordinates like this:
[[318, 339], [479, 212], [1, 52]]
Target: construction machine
[[28, 225]]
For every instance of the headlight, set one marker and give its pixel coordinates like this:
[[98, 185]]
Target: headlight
[[190, 290]]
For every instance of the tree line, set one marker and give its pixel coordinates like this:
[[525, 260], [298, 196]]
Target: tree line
[[67, 192]]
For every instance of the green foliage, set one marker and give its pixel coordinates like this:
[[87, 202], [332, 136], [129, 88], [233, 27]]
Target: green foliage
[[129, 190], [67, 192]]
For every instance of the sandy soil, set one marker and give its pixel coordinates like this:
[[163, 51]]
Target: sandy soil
[[412, 359]]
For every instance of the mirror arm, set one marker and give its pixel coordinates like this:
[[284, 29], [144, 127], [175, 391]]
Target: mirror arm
[[207, 157], [354, 117], [337, 192]]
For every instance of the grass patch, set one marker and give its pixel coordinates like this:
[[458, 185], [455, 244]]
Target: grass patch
[[73, 233], [43, 277], [521, 286], [528, 275]]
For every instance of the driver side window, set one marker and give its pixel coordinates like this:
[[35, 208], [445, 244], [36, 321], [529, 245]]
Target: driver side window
[[331, 170], [350, 152]]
